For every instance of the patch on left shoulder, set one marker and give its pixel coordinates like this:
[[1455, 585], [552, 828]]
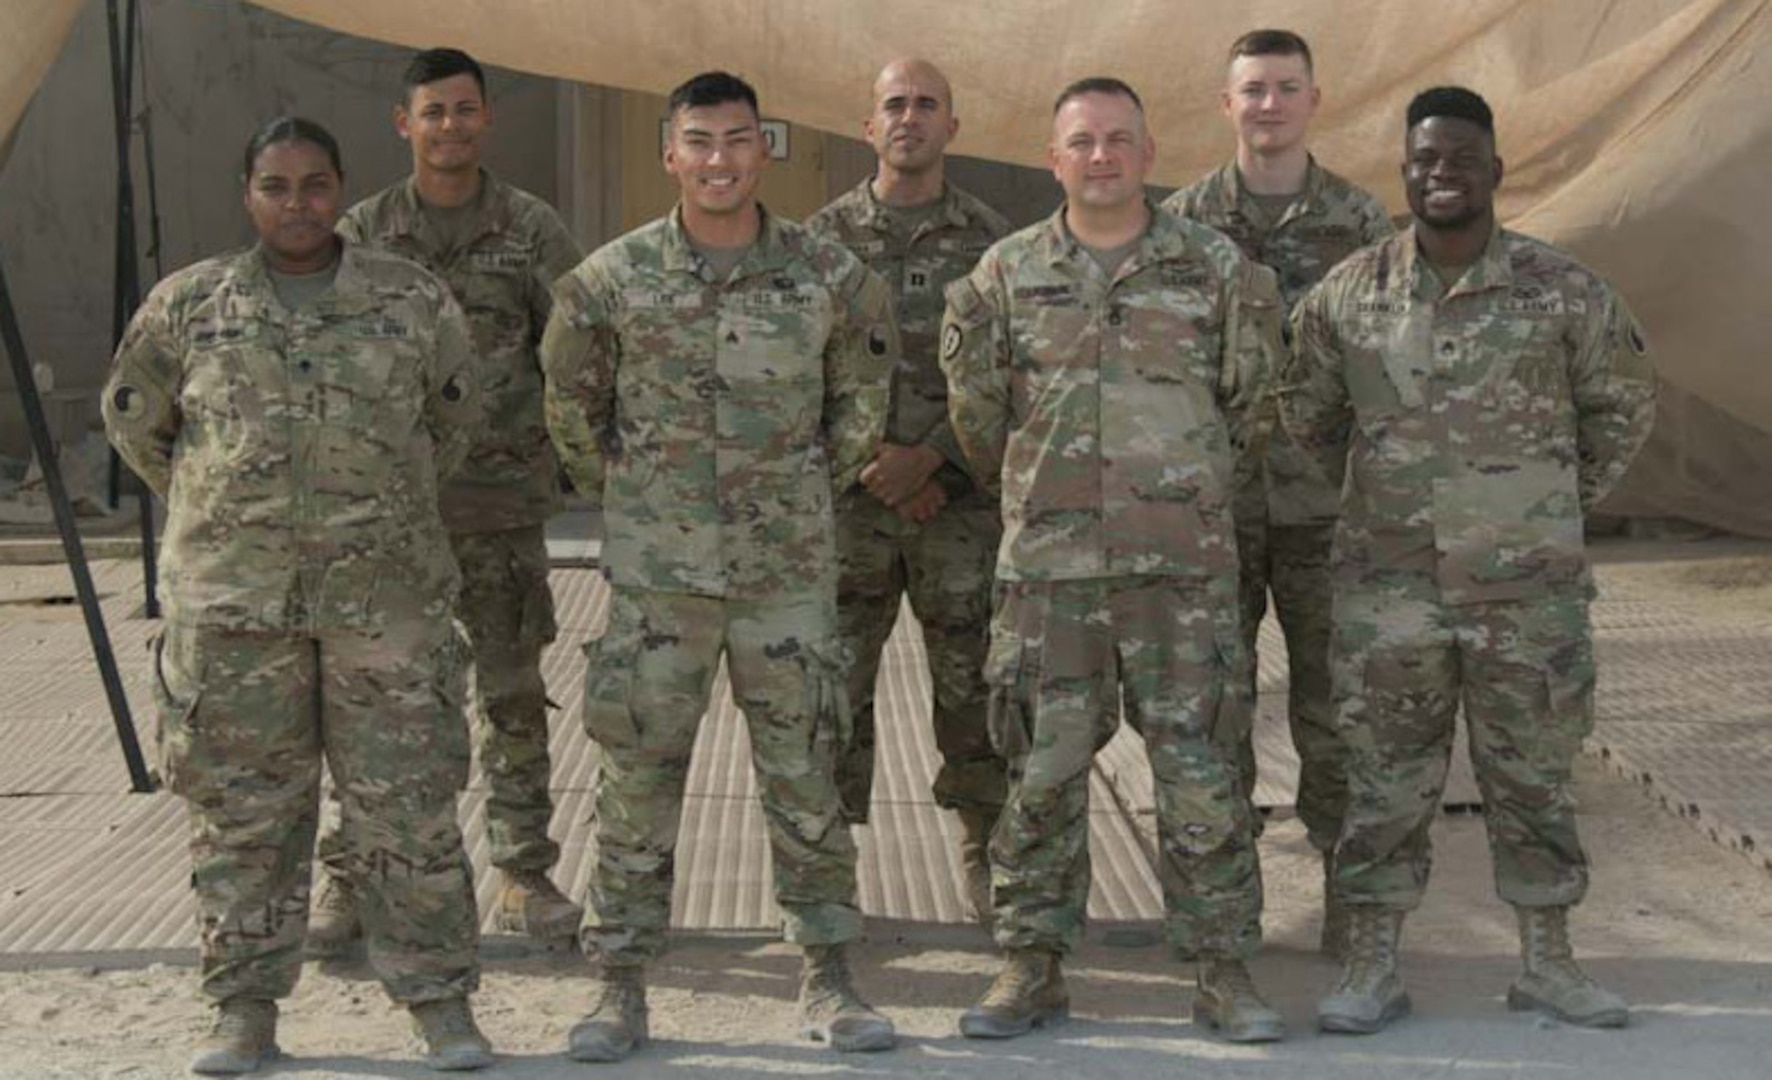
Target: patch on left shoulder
[[879, 342], [950, 341]]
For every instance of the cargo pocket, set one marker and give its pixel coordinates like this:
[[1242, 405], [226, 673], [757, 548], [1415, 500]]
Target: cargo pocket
[[176, 695], [826, 666], [536, 625], [611, 671], [1570, 717], [1006, 718], [452, 744]]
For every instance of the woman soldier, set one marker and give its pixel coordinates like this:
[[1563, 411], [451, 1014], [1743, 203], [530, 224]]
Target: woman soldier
[[296, 404]]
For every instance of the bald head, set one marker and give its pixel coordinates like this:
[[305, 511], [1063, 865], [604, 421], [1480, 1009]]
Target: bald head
[[912, 119], [916, 71]]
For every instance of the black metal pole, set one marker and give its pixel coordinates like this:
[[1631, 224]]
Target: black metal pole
[[126, 292], [76, 552]]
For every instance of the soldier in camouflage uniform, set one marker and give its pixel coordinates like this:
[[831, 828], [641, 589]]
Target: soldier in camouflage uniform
[[1482, 391], [499, 249], [1105, 368], [919, 526], [1299, 219], [714, 379], [297, 404]]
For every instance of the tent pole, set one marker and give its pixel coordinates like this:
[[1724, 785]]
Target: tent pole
[[76, 552]]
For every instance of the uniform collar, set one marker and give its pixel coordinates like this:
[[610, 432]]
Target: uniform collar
[[349, 293], [1162, 240], [493, 215], [873, 214], [1493, 269], [769, 252], [1236, 196]]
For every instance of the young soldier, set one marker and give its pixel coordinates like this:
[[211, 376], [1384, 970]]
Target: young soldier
[[714, 380], [1104, 367], [499, 249], [1482, 391], [919, 525], [1299, 219]]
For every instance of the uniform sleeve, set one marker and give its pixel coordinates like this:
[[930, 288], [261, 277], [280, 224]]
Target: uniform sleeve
[[580, 354], [455, 399], [1312, 389], [975, 358], [858, 364], [1613, 383], [1253, 352], [556, 254], [140, 405]]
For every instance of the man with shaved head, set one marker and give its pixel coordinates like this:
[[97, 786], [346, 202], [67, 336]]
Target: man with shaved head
[[919, 525], [1104, 369]]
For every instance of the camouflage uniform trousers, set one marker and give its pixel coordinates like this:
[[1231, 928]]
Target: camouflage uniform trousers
[[647, 684], [1064, 655], [508, 611], [245, 722], [944, 566], [1293, 562], [1524, 672]]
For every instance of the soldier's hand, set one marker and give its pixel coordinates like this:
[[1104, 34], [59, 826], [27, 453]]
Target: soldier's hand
[[924, 505], [899, 472]]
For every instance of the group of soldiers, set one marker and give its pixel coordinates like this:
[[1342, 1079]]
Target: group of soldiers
[[1084, 452]]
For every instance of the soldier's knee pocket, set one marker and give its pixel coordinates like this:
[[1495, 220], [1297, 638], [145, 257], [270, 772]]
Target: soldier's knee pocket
[[1006, 714], [611, 671], [176, 697], [826, 664]]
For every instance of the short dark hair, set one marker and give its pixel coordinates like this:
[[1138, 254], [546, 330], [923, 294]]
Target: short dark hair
[[711, 88], [433, 64], [1272, 43], [1097, 84], [291, 129], [1451, 101]]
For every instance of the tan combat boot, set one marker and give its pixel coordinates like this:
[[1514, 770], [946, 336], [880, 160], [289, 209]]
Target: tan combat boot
[[452, 1041], [831, 1011], [1028, 993], [1369, 992], [1552, 982], [616, 1025], [243, 1038], [975, 862], [530, 904], [334, 930], [1334, 939], [1225, 999]]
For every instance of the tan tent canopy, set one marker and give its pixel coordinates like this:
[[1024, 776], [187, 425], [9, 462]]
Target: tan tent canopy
[[1636, 132]]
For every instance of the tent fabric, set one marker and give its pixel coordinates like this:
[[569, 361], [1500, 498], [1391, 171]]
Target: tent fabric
[[32, 33], [1636, 132]]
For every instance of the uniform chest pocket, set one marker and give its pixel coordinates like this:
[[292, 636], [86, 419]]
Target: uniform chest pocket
[[773, 336], [230, 372], [1170, 338]]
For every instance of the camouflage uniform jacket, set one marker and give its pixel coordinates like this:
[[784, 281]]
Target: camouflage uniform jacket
[[712, 422], [1117, 417], [917, 267], [1332, 221], [1478, 424], [501, 279], [299, 454]]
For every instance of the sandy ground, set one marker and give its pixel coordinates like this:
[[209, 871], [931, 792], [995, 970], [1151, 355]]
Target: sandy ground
[[1679, 925]]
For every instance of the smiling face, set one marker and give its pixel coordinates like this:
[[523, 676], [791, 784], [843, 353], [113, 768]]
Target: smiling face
[[444, 121], [1100, 150], [1450, 173], [913, 117], [292, 197], [718, 154], [1270, 100]]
